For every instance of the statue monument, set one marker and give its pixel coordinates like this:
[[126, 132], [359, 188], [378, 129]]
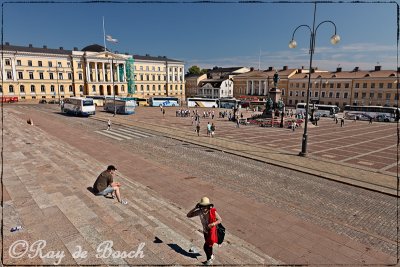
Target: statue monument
[[274, 101]]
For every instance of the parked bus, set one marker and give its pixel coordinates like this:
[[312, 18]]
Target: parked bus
[[163, 101], [202, 102], [78, 106], [139, 101], [367, 112], [98, 100], [229, 103], [125, 107], [320, 110]]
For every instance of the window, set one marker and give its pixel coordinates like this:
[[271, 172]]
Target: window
[[387, 96], [40, 64], [337, 94], [9, 75], [372, 85], [59, 64], [52, 88], [20, 75], [122, 88], [283, 91], [356, 95], [159, 87], [357, 85], [147, 77], [379, 95], [303, 93], [303, 85], [380, 85], [1, 89], [51, 76], [324, 85], [30, 63], [41, 75], [31, 75], [141, 77], [371, 95], [60, 76], [19, 63], [345, 95], [80, 88], [339, 85], [8, 63], [323, 94], [11, 88], [80, 77], [22, 89], [346, 85], [141, 67], [69, 76], [331, 85], [69, 64], [389, 85], [70, 88], [154, 87], [32, 88], [315, 94], [93, 88], [330, 94], [148, 87], [61, 88], [50, 64], [79, 65], [364, 85], [42, 88], [141, 88], [296, 93]]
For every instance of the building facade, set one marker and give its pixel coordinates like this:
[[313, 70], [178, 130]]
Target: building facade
[[44, 73]]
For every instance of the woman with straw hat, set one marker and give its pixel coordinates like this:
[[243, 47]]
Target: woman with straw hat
[[209, 219]]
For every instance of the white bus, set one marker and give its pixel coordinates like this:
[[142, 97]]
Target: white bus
[[125, 107], [195, 102], [378, 113], [320, 110], [78, 106], [229, 103], [163, 101]]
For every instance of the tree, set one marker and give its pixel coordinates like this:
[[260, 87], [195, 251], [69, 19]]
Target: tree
[[194, 70]]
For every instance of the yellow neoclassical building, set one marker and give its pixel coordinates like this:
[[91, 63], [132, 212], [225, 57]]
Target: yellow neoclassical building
[[43, 73]]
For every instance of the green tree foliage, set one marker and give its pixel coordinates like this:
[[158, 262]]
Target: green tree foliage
[[196, 70]]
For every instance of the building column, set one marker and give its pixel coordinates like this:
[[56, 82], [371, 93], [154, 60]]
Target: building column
[[14, 70], [124, 73], [252, 87], [87, 71], [96, 72], [104, 71], [259, 87]]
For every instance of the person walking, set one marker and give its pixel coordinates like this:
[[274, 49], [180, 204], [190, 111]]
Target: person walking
[[209, 219], [105, 184], [237, 123], [208, 129], [370, 120], [212, 129], [198, 128], [341, 122], [163, 112], [109, 125]]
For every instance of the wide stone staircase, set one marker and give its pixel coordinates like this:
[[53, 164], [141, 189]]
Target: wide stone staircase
[[45, 189]]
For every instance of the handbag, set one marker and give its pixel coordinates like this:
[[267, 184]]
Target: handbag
[[220, 233]]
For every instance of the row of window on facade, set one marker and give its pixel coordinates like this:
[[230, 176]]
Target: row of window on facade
[[171, 87], [323, 94], [160, 77], [59, 65], [346, 85], [42, 88], [40, 63], [153, 68], [80, 76]]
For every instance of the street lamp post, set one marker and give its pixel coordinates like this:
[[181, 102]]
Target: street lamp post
[[292, 44]]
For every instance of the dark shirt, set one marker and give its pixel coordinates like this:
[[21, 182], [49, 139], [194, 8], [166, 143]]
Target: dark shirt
[[105, 179]]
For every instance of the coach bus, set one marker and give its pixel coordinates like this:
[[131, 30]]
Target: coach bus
[[163, 101], [320, 110], [194, 102], [229, 103], [78, 106], [370, 112], [124, 107], [139, 101]]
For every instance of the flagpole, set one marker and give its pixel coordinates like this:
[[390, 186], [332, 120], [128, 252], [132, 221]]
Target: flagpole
[[104, 36]]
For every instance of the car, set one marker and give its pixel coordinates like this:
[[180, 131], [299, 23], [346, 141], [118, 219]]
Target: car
[[42, 101], [53, 101]]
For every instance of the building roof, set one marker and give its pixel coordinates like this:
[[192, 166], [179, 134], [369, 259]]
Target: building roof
[[155, 58], [231, 69], [31, 49], [94, 48]]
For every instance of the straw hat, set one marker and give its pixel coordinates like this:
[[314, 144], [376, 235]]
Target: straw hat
[[205, 201]]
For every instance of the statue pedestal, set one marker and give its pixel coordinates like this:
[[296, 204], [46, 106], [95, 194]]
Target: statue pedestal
[[275, 95]]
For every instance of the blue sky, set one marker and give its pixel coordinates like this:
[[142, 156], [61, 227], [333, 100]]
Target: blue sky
[[209, 34]]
